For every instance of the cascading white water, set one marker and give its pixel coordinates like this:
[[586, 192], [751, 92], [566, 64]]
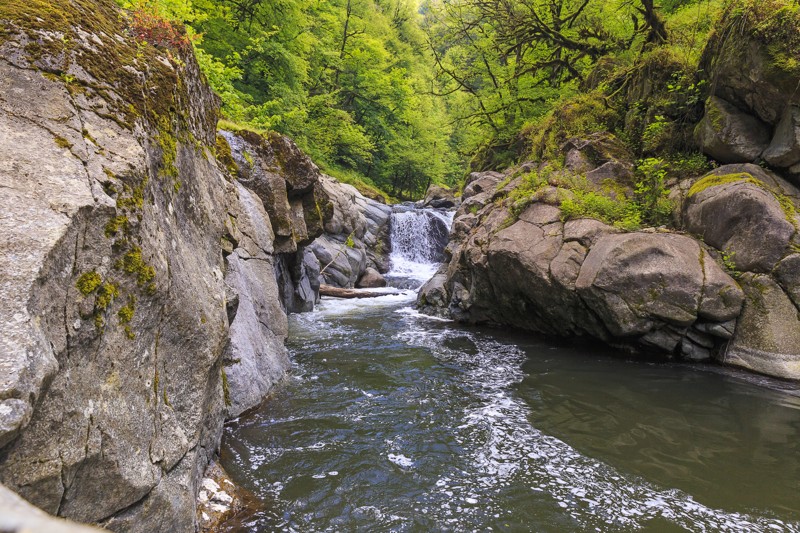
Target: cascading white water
[[418, 238]]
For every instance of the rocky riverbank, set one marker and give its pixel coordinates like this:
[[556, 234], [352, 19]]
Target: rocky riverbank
[[720, 279], [148, 264]]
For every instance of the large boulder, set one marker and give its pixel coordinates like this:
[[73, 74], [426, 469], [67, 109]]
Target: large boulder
[[729, 135], [746, 72], [634, 281], [784, 150], [767, 338], [112, 273], [644, 291], [742, 211]]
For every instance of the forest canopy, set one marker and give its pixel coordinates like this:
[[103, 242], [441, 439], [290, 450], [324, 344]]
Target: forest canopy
[[398, 94]]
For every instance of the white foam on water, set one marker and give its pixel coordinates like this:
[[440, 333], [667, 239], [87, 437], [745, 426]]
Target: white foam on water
[[401, 460], [503, 447], [411, 312]]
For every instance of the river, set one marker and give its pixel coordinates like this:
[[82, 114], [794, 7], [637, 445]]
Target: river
[[394, 421]]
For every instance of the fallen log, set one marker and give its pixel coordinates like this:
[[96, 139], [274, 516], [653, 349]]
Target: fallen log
[[336, 292]]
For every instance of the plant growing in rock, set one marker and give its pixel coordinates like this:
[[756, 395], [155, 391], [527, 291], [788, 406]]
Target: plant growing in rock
[[650, 193]]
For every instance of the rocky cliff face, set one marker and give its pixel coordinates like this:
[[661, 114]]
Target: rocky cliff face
[[112, 272], [147, 267]]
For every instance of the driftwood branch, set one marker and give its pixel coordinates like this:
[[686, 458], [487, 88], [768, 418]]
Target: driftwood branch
[[336, 292]]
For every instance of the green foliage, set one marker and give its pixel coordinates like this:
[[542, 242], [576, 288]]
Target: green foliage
[[574, 117], [348, 80], [363, 184], [623, 213], [684, 165], [523, 194], [728, 263], [775, 23], [655, 133], [651, 194]]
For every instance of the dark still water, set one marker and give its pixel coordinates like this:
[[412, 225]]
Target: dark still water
[[395, 422]]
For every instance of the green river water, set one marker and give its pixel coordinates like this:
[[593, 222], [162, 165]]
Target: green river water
[[392, 421]]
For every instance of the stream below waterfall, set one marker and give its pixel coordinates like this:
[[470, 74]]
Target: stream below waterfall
[[394, 421]]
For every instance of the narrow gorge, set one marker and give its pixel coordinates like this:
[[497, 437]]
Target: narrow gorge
[[601, 333]]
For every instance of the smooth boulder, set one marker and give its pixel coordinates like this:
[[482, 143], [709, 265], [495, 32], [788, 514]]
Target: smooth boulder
[[730, 135], [735, 210]]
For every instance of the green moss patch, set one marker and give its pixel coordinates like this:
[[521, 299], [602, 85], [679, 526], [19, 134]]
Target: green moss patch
[[225, 155], [127, 311], [717, 180], [132, 263], [88, 282], [62, 142], [787, 204]]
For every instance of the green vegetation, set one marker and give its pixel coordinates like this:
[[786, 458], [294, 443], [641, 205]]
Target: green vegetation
[[351, 81], [728, 263], [226, 393], [716, 180], [651, 194], [132, 263], [88, 282], [588, 204]]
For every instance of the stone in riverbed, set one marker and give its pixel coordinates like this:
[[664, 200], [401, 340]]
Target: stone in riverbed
[[371, 279]]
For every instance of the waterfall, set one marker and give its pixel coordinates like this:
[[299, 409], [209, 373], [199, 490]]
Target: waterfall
[[418, 238]]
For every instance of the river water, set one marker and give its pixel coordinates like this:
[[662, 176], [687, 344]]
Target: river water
[[393, 421]]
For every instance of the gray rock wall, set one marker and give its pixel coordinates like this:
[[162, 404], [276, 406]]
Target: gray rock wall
[[139, 278]]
